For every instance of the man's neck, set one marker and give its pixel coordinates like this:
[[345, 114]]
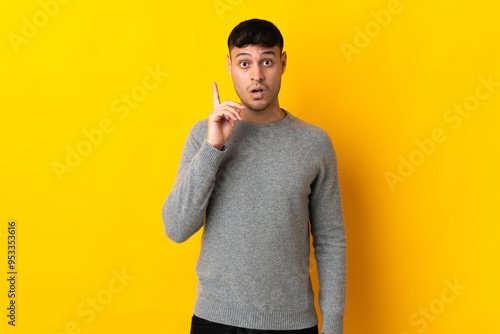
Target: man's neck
[[271, 114]]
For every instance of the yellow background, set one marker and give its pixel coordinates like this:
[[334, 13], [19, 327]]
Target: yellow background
[[404, 243]]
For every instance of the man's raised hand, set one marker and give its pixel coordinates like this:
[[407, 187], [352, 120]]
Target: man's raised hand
[[222, 119]]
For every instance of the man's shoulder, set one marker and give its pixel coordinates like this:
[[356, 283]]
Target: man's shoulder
[[196, 134], [198, 130], [200, 125], [312, 132]]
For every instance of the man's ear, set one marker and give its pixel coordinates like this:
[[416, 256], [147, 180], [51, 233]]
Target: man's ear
[[283, 62], [228, 59]]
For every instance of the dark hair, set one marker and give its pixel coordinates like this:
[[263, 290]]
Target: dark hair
[[255, 32]]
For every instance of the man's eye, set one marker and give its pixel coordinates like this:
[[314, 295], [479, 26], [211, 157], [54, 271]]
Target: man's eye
[[244, 64], [267, 62]]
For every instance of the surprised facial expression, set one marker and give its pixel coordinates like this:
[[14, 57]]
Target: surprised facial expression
[[256, 72]]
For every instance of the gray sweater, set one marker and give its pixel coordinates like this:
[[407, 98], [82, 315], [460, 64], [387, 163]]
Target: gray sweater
[[255, 198]]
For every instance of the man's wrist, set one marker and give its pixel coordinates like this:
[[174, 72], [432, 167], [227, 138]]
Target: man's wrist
[[219, 147]]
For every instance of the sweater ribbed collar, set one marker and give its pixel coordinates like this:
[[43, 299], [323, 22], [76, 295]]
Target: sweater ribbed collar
[[275, 125]]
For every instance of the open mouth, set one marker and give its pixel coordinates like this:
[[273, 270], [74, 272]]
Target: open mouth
[[258, 92]]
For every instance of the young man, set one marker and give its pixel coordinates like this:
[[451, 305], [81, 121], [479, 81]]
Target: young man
[[254, 176]]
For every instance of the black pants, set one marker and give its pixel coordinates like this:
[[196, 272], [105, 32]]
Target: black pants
[[202, 326]]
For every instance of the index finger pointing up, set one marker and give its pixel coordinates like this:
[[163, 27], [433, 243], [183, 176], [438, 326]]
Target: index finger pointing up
[[215, 95]]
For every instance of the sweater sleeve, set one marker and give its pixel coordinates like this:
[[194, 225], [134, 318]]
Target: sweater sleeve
[[184, 209], [329, 240]]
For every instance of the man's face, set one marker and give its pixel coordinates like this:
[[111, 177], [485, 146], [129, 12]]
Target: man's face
[[256, 72]]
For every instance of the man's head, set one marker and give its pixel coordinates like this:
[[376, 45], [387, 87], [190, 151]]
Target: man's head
[[256, 62], [255, 32]]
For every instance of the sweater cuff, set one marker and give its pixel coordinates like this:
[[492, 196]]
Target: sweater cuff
[[210, 155], [333, 324]]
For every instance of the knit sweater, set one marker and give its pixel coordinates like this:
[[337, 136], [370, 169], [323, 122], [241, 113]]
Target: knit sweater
[[256, 198]]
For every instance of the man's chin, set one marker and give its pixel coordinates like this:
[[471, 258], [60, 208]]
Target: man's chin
[[257, 106]]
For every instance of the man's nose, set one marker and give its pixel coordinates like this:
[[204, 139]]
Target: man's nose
[[256, 74]]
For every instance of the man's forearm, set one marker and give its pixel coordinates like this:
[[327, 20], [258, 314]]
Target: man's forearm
[[184, 209]]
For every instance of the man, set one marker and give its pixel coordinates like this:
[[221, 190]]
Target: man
[[254, 176]]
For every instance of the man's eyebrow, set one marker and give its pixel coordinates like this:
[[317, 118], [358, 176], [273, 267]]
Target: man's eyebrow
[[270, 52], [242, 54]]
